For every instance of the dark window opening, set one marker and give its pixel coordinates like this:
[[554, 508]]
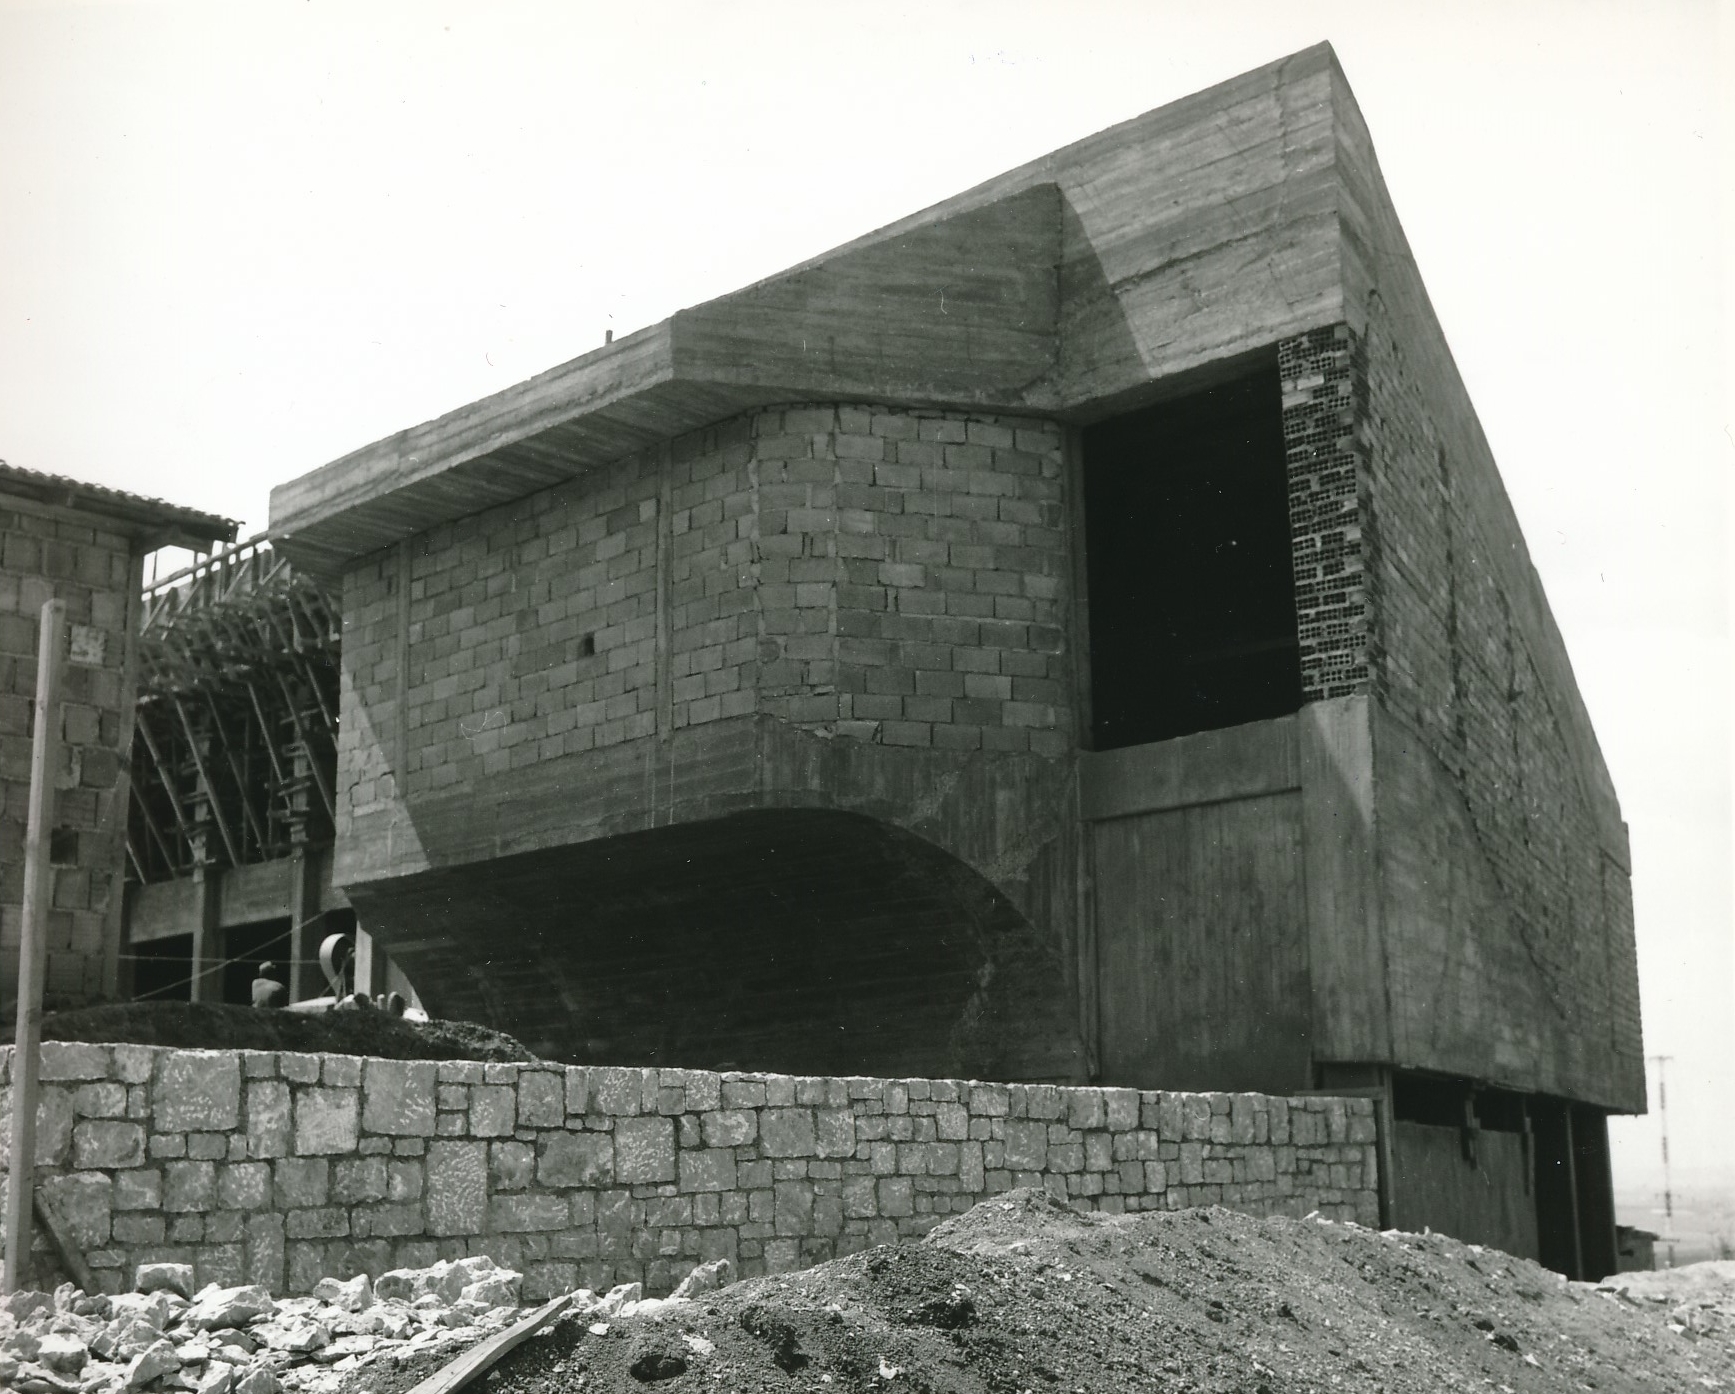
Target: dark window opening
[[1192, 591], [587, 646], [1441, 1100], [163, 969], [63, 847]]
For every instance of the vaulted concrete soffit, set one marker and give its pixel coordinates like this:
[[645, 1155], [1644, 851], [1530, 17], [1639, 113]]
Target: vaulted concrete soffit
[[1197, 232]]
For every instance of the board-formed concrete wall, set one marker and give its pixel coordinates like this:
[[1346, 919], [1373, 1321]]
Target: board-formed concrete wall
[[283, 1168]]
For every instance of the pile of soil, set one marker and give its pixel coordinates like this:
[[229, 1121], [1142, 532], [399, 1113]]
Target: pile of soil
[[1022, 1294], [221, 1026]]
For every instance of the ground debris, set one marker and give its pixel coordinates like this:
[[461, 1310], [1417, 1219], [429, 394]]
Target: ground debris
[[241, 1340], [1023, 1294]]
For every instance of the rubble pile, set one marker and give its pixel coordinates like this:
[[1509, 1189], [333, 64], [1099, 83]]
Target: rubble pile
[[1698, 1299], [1024, 1294], [240, 1340]]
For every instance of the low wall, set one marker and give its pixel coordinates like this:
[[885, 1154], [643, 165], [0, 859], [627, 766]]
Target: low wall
[[283, 1168]]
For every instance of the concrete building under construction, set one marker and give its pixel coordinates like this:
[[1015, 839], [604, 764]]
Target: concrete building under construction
[[1075, 633]]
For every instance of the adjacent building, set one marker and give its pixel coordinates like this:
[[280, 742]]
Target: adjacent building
[[85, 545], [1075, 633]]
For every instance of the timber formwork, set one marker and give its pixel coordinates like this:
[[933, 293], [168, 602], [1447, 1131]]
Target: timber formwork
[[237, 716], [233, 762]]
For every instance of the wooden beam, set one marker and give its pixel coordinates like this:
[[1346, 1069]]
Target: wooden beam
[[209, 940], [267, 732], [242, 783], [33, 943], [71, 1256], [205, 779], [312, 764], [150, 823], [163, 774], [452, 1377]]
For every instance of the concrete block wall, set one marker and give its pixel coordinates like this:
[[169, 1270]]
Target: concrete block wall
[[952, 567], [882, 574], [283, 1168], [46, 554]]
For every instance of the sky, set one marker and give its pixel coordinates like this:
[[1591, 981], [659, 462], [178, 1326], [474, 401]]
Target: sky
[[240, 240]]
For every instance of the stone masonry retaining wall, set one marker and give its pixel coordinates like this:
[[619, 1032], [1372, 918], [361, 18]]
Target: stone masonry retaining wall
[[283, 1168]]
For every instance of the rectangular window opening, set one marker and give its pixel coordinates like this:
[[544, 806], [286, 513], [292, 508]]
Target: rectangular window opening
[[1192, 589]]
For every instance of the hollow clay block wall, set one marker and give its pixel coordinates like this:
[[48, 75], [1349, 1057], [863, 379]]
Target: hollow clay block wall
[[281, 1168]]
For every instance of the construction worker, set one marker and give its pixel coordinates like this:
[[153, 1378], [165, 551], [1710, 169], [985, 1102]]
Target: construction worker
[[267, 991]]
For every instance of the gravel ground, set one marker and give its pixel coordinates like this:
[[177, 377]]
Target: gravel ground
[[222, 1026], [1022, 1294]]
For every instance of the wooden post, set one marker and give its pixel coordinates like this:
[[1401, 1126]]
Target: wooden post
[[208, 937], [370, 964], [306, 926], [33, 945]]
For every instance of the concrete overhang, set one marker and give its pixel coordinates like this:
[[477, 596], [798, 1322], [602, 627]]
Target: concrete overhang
[[1201, 230]]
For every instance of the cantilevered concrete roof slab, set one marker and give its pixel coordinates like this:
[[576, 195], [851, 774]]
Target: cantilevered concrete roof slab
[[1197, 232]]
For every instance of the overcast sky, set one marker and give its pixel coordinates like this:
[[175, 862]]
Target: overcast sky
[[239, 240]]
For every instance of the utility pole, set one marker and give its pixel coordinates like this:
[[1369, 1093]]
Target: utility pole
[[33, 943], [1661, 1062]]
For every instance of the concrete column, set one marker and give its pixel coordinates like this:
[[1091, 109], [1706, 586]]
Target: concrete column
[[306, 925], [208, 936]]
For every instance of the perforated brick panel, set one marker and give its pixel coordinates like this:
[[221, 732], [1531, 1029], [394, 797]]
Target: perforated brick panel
[[1324, 397]]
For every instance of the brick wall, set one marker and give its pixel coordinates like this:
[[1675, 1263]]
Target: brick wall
[[281, 1169], [879, 574], [44, 555], [1324, 408]]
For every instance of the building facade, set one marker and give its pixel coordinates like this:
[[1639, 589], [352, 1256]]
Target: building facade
[[85, 546], [1077, 633]]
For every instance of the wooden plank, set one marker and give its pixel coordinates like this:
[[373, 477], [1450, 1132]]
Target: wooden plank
[[71, 1256], [319, 780], [170, 861], [1201, 947], [250, 819], [210, 786], [451, 1377], [165, 776], [33, 943], [271, 737]]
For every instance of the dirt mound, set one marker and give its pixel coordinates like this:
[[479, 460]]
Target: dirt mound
[[1023, 1295], [220, 1026]]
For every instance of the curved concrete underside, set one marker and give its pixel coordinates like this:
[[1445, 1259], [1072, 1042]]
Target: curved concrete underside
[[803, 941]]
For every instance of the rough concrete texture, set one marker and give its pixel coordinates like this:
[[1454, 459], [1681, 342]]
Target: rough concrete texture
[[612, 1175]]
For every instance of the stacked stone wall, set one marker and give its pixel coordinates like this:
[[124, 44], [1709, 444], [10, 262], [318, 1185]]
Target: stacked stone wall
[[283, 1168], [45, 555]]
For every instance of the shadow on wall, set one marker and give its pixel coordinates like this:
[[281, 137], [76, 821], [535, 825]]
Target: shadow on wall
[[802, 941]]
